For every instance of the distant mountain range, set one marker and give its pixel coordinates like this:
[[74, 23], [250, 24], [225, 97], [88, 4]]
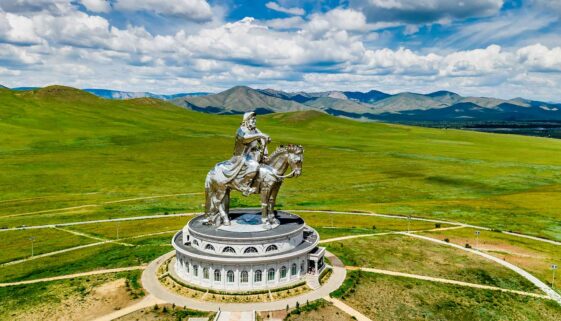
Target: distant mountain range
[[439, 106], [117, 94], [375, 105]]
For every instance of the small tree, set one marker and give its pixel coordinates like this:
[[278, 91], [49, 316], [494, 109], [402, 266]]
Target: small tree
[[447, 240]]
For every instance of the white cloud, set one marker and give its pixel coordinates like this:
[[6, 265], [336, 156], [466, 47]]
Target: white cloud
[[504, 27], [26, 6], [195, 10], [540, 58], [97, 5], [285, 23], [17, 29], [424, 11], [293, 11]]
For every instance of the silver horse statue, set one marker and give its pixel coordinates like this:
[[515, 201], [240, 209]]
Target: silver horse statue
[[250, 171]]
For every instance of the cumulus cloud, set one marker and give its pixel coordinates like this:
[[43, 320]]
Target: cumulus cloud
[[195, 10], [331, 50], [277, 7], [17, 29], [26, 6], [540, 58], [424, 11], [96, 5]]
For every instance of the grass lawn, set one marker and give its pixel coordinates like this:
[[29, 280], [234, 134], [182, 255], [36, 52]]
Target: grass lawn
[[17, 244], [93, 258], [534, 256], [65, 298], [134, 228], [376, 223], [383, 297], [319, 310], [66, 148], [406, 254]]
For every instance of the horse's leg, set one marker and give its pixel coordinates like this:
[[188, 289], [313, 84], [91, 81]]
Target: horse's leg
[[273, 197], [265, 192], [222, 207]]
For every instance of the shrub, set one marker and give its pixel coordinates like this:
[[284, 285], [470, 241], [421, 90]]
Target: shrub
[[373, 227], [437, 225], [447, 240], [468, 246]]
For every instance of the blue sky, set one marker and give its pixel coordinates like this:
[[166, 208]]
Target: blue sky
[[478, 47]]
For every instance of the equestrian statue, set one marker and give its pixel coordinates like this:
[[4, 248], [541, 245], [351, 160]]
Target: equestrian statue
[[251, 171]]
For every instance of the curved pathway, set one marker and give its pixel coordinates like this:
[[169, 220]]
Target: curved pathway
[[542, 286], [395, 216], [76, 275], [151, 283], [447, 281]]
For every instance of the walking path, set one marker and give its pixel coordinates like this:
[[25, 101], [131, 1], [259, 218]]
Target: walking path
[[342, 238], [236, 316], [447, 281], [146, 302], [76, 275], [542, 286], [429, 220], [92, 236], [53, 253], [134, 218], [154, 287], [64, 209], [347, 309], [103, 241]]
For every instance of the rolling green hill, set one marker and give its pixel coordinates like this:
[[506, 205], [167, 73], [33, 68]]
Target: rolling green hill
[[67, 155]]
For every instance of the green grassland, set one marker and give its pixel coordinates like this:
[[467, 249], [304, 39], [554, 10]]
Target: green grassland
[[534, 256], [65, 148], [331, 225], [382, 297], [132, 228], [402, 253], [42, 299], [92, 258], [17, 244]]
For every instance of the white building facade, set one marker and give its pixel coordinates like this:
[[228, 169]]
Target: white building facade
[[242, 258]]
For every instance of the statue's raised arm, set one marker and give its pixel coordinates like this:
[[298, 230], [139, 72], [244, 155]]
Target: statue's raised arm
[[249, 171]]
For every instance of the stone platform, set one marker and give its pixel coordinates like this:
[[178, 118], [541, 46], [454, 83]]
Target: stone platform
[[247, 255]]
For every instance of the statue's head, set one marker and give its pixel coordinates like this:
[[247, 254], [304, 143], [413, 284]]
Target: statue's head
[[249, 120]]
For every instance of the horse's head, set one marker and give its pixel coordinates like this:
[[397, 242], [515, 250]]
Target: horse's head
[[295, 158], [285, 156]]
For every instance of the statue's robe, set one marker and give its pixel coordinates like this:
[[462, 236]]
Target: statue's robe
[[245, 160]]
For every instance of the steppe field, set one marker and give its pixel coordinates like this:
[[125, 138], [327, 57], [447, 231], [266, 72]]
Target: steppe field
[[97, 185]]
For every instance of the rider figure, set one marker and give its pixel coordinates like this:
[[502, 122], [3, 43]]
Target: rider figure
[[251, 147]]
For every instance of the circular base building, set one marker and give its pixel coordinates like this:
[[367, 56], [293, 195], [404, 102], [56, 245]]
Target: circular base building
[[248, 255]]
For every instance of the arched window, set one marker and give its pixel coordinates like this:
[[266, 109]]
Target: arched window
[[271, 274], [271, 248], [283, 272], [302, 267], [187, 267], [244, 278], [217, 275], [209, 247], [195, 242], [196, 270], [294, 269], [230, 276], [228, 249], [250, 249], [258, 276], [205, 273]]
